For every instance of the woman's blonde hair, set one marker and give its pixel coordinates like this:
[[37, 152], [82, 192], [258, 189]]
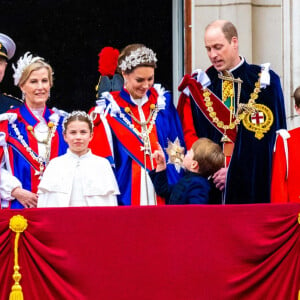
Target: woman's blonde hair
[[37, 65]]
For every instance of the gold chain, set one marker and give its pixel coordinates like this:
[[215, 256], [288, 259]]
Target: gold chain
[[45, 141], [242, 108], [145, 131], [129, 112], [42, 161]]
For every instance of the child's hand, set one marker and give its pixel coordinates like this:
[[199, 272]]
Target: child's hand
[[160, 159]]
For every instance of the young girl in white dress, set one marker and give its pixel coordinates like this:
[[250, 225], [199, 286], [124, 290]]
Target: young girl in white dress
[[78, 178]]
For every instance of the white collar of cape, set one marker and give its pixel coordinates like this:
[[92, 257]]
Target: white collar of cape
[[115, 109], [12, 117], [204, 80]]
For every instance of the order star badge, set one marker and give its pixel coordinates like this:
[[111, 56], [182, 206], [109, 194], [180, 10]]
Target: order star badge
[[176, 153]]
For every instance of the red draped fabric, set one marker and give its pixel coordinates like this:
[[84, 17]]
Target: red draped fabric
[[165, 252]]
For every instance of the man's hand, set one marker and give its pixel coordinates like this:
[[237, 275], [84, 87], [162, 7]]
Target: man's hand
[[219, 178], [26, 198]]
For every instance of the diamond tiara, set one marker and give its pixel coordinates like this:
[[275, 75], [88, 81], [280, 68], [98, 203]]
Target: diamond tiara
[[137, 57], [77, 113]]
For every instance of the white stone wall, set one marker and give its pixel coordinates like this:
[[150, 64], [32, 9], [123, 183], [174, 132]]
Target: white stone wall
[[293, 48], [268, 32]]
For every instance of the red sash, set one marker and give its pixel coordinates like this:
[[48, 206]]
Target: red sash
[[222, 112], [129, 140]]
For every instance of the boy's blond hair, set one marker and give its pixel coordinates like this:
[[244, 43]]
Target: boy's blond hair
[[209, 156]]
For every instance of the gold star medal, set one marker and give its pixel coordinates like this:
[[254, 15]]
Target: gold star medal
[[176, 153]]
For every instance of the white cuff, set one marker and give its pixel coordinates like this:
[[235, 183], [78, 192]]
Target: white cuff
[[8, 183]]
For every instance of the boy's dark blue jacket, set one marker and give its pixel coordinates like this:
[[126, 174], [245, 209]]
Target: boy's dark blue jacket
[[190, 189]]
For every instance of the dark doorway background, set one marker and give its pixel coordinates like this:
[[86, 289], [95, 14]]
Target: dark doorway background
[[70, 34]]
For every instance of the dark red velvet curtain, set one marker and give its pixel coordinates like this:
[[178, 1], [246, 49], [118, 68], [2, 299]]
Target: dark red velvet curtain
[[170, 252]]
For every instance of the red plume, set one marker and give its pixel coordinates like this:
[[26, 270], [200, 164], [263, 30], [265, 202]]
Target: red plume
[[108, 61]]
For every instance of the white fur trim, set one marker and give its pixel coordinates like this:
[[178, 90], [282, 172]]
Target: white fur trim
[[285, 135], [265, 75], [161, 100]]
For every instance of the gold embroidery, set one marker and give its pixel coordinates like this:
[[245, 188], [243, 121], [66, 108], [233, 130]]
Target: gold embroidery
[[227, 90], [263, 113], [244, 113]]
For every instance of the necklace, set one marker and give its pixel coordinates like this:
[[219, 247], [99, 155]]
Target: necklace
[[43, 161], [143, 134], [243, 108], [145, 131], [46, 140]]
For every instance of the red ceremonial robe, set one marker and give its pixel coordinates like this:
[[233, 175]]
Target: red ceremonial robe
[[285, 185]]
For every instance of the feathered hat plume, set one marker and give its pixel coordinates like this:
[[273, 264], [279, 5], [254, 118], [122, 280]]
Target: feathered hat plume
[[22, 64], [108, 61]]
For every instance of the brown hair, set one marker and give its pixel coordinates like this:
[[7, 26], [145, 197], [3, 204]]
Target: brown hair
[[229, 31], [37, 65], [227, 28], [126, 52], [297, 96], [209, 156], [77, 115]]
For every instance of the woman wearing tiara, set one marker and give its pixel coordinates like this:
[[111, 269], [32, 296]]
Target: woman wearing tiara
[[131, 123], [29, 135]]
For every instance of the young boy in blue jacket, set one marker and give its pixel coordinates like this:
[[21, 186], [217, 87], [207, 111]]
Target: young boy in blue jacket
[[201, 161]]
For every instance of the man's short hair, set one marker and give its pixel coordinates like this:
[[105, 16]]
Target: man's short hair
[[227, 28]]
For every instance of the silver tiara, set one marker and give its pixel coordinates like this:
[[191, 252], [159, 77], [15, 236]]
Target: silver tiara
[[138, 57], [23, 63], [77, 113]]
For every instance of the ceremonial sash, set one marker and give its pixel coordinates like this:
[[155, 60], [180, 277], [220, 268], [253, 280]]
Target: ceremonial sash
[[131, 143], [15, 144], [222, 112]]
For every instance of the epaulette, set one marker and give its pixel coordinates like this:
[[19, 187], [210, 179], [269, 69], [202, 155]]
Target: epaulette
[[13, 97]]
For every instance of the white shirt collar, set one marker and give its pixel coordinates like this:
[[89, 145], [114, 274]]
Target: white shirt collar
[[74, 155], [238, 65], [141, 101]]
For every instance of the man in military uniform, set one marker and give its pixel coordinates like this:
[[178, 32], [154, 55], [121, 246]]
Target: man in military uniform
[[7, 51], [238, 105]]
